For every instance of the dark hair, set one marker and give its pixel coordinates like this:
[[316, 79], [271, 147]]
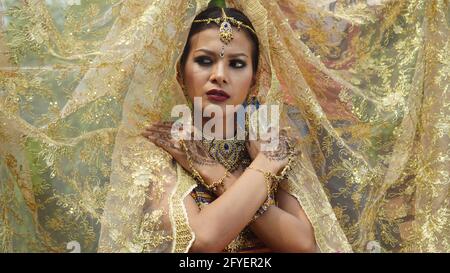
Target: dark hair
[[216, 12]]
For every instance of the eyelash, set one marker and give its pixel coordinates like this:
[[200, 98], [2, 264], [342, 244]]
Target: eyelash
[[241, 63], [201, 61]]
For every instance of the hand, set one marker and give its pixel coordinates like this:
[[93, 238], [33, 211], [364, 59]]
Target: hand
[[209, 169], [275, 159], [160, 135]]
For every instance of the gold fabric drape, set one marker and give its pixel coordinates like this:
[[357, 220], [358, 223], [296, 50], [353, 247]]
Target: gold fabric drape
[[364, 85]]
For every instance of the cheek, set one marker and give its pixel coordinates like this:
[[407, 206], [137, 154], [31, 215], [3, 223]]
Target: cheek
[[194, 80], [244, 84]]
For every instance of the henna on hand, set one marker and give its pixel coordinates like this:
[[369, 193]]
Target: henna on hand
[[199, 155], [282, 150], [161, 135]]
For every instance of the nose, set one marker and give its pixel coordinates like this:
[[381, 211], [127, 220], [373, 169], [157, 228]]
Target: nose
[[218, 74]]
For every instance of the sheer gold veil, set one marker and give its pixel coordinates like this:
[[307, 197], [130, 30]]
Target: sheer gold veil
[[144, 210]]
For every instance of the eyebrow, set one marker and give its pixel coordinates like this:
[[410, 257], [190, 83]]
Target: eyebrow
[[214, 53]]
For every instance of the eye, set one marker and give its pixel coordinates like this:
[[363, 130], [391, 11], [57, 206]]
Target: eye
[[237, 64], [203, 60]]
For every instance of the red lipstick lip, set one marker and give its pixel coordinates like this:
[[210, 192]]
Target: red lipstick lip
[[217, 95]]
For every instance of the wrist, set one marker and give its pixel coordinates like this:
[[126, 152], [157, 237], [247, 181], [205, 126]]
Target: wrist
[[211, 173], [261, 161], [227, 182]]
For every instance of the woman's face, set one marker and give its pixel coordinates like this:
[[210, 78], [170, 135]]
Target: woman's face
[[220, 81]]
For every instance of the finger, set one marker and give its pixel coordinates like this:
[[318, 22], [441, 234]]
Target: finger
[[159, 129], [152, 139], [171, 147], [149, 131], [185, 130], [155, 136], [163, 141], [159, 126], [158, 132], [166, 122], [163, 125], [149, 128], [179, 131], [155, 141]]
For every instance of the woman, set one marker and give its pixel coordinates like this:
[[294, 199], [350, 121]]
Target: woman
[[213, 195], [208, 65]]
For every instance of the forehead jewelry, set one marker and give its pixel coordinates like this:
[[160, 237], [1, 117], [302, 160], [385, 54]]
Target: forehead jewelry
[[222, 52], [225, 28]]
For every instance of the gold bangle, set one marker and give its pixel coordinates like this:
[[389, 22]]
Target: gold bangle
[[270, 201], [260, 170], [272, 186], [195, 173], [267, 177], [218, 183], [292, 154]]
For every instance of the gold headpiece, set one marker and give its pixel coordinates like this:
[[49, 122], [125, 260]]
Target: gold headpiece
[[225, 30]]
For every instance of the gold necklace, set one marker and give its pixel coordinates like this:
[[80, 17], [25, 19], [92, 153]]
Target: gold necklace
[[231, 153]]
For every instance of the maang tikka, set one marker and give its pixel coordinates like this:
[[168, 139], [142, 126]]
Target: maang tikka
[[225, 28]]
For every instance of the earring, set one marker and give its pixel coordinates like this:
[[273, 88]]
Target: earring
[[248, 101], [251, 99]]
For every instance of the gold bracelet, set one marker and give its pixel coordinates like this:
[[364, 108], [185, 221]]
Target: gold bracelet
[[213, 186], [270, 201], [272, 186], [267, 177], [287, 168], [195, 173]]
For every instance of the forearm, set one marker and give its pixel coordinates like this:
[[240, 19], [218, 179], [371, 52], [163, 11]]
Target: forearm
[[283, 232], [218, 223]]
